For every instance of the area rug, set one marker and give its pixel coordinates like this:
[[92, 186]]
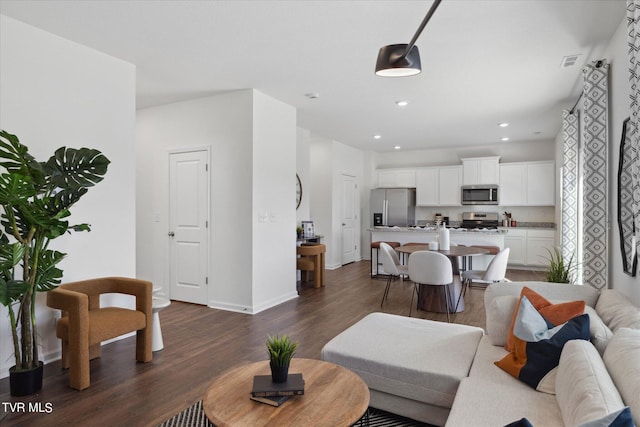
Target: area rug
[[194, 416]]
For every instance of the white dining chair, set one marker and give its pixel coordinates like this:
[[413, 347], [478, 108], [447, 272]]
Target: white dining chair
[[495, 272], [434, 269], [391, 266]]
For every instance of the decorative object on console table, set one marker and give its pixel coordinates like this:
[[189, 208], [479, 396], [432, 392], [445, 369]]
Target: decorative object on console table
[[263, 386], [281, 350], [36, 198], [308, 229]]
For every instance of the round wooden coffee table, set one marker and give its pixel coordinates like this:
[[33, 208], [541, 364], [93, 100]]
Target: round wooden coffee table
[[333, 396]]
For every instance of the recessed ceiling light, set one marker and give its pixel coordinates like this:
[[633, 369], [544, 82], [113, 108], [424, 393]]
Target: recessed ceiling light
[[402, 103], [503, 124], [377, 136], [397, 147], [504, 139], [312, 95]]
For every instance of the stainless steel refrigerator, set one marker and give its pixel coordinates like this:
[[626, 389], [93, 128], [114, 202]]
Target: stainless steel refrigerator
[[393, 206]]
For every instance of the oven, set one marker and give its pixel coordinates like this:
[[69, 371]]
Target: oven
[[480, 220]]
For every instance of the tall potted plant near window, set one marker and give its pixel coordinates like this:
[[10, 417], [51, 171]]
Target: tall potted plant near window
[[35, 198]]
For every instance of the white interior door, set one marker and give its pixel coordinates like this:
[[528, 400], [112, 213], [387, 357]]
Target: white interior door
[[349, 217], [188, 225]]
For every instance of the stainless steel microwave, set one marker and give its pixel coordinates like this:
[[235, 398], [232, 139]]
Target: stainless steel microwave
[[479, 194]]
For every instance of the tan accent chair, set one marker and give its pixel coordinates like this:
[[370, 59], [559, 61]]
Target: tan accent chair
[[84, 324]]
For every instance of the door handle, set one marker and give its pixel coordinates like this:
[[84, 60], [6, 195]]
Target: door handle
[[171, 234], [343, 224]]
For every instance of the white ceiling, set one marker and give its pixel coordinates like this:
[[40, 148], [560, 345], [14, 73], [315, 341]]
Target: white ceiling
[[484, 62]]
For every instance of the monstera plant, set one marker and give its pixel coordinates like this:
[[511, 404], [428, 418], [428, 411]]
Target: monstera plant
[[36, 198]]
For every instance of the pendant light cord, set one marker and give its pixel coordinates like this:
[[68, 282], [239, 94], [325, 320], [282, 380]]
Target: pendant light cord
[[426, 19]]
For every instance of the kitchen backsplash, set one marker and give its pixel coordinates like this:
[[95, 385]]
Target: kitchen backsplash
[[526, 216]]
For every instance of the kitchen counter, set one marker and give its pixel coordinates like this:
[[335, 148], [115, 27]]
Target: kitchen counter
[[433, 230], [533, 226], [424, 235]]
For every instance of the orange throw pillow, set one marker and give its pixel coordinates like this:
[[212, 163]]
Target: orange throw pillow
[[554, 313]]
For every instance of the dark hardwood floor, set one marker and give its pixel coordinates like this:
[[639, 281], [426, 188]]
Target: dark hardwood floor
[[200, 343]]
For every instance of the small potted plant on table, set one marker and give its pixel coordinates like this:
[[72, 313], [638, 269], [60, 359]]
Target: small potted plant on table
[[281, 350]]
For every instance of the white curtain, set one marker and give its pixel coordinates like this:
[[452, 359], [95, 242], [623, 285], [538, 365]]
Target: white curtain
[[633, 40], [595, 175]]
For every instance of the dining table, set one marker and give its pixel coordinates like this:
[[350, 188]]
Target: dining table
[[430, 297]]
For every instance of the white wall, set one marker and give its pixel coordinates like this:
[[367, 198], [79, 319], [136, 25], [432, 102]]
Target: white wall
[[303, 169], [508, 152], [329, 161], [54, 93], [247, 150], [274, 169]]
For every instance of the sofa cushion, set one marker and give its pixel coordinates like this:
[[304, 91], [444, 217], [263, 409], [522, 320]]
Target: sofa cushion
[[501, 400], [499, 315], [538, 344], [622, 359], [554, 313], [600, 332], [584, 390], [621, 418], [413, 358], [616, 311]]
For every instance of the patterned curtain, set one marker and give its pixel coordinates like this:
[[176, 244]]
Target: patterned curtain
[[633, 41], [571, 145], [595, 136]]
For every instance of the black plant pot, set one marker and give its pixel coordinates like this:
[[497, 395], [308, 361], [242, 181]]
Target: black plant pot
[[279, 374], [24, 383]]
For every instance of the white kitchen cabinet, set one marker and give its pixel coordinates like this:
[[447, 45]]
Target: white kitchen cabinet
[[480, 170], [541, 184], [516, 241], [527, 184], [539, 243], [396, 178], [427, 182], [512, 185], [449, 178], [438, 186], [529, 247]]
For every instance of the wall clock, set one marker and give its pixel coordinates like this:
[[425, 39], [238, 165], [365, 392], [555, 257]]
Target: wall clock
[[298, 191]]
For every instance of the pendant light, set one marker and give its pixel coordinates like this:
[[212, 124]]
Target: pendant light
[[401, 60]]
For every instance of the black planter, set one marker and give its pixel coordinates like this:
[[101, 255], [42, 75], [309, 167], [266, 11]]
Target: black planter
[[23, 383], [279, 374]]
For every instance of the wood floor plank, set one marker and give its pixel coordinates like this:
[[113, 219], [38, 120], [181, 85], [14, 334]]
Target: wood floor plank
[[200, 343]]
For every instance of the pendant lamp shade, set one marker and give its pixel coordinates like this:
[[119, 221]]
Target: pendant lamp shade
[[401, 60], [392, 61]]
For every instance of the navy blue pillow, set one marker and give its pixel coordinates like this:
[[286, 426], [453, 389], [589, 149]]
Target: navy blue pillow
[[621, 418], [522, 422]]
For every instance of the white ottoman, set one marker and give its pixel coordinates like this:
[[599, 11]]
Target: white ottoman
[[158, 304], [412, 366]]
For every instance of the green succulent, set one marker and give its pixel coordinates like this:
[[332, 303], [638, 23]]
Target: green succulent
[[560, 270], [281, 349]]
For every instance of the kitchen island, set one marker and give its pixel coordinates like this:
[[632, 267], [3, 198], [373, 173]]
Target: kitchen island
[[424, 235]]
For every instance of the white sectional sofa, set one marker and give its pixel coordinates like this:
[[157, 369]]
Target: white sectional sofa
[[444, 374]]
